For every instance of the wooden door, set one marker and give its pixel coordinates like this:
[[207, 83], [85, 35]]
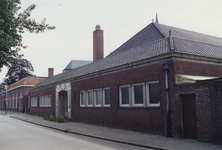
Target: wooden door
[[189, 117]]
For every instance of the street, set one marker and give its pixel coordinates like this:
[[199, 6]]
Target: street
[[19, 135]]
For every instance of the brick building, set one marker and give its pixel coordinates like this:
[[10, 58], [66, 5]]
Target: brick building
[[148, 84], [18, 94]]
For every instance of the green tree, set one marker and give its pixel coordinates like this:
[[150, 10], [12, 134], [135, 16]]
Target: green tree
[[12, 25], [19, 71]]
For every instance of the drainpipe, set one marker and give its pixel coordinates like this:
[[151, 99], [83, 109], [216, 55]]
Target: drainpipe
[[166, 69]]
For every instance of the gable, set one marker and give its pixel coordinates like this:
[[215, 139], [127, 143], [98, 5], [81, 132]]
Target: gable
[[147, 35]]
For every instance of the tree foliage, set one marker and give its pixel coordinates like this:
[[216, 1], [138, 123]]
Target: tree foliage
[[12, 25], [19, 71]]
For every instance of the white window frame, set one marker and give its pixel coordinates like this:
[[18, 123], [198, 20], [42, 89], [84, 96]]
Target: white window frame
[[43, 101], [46, 101], [49, 100], [103, 99], [34, 102], [80, 100], [133, 94], [148, 95], [120, 95], [40, 101], [87, 98], [20, 93], [96, 105]]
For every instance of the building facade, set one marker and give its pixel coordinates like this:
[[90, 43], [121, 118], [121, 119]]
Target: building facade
[[131, 88], [18, 94]]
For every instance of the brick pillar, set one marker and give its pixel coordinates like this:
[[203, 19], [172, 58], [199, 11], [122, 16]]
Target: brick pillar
[[98, 44], [50, 72]]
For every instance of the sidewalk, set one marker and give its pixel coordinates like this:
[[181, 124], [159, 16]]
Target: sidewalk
[[117, 135]]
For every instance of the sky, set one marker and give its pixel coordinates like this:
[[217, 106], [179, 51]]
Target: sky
[[75, 21]]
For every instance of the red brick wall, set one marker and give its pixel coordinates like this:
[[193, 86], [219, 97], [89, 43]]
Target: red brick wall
[[205, 99], [150, 120], [43, 111]]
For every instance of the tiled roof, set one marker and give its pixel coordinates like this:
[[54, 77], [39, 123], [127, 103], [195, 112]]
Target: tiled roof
[[135, 54], [26, 81], [189, 35], [197, 48], [150, 42]]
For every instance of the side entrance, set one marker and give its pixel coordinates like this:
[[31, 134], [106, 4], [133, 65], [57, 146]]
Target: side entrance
[[189, 116]]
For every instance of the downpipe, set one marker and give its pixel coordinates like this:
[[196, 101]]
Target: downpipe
[[166, 69]]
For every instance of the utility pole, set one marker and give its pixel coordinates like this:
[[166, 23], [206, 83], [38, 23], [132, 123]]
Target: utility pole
[[6, 102]]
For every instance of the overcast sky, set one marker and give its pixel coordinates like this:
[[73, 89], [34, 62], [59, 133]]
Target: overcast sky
[[75, 21]]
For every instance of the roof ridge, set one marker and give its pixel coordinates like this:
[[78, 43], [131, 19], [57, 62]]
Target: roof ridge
[[159, 29], [129, 39]]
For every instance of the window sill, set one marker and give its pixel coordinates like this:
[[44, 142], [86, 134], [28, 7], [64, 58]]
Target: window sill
[[140, 107], [95, 107]]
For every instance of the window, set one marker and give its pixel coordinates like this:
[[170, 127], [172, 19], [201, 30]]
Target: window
[[20, 93], [124, 95], [90, 98], [153, 92], [40, 101], [140, 94], [98, 97], [106, 96], [49, 98], [82, 98], [45, 101], [95, 98], [34, 102]]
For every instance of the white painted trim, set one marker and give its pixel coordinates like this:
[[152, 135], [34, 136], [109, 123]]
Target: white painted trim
[[80, 98], [133, 98], [87, 98], [104, 104], [96, 105], [148, 94], [120, 96]]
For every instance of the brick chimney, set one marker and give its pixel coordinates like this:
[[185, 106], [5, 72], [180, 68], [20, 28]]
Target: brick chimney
[[50, 72], [98, 44]]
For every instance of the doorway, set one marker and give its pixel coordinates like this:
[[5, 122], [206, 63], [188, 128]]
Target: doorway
[[63, 104], [189, 116]]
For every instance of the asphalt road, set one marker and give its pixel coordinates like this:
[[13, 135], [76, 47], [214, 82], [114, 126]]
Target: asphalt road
[[19, 135]]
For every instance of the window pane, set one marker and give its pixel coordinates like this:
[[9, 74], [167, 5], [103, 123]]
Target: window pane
[[98, 97], [138, 94], [154, 91], [43, 101], [46, 101], [82, 98], [90, 97], [49, 100], [125, 95], [107, 96]]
